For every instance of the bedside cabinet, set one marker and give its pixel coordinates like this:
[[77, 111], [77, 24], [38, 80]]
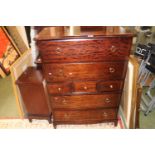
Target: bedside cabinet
[[33, 91]]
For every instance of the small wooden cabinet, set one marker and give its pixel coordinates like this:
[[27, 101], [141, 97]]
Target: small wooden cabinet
[[85, 73], [33, 91]]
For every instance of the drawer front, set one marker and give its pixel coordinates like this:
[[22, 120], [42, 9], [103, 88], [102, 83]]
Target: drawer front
[[60, 88], [85, 101], [85, 50], [109, 86], [89, 115], [85, 71], [86, 87], [97, 87]]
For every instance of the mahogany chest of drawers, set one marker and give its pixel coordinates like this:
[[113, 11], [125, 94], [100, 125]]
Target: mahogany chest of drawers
[[85, 76]]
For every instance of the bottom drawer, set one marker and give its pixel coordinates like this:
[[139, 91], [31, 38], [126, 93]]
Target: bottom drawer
[[85, 116]]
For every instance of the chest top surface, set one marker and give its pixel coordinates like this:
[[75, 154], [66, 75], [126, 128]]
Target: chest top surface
[[45, 33]]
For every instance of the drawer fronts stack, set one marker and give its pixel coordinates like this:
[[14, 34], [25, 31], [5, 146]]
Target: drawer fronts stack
[[85, 77]]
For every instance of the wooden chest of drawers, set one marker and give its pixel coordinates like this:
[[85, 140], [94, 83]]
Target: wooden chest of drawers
[[85, 76]]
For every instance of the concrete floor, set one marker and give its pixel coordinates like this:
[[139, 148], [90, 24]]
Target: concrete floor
[[147, 122], [8, 107]]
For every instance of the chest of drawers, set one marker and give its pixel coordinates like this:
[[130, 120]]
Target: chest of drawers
[[85, 76]]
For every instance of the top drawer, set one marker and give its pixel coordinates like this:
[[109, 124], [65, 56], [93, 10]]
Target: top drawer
[[84, 50]]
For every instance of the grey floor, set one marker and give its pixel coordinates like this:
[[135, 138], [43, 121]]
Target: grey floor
[[147, 122]]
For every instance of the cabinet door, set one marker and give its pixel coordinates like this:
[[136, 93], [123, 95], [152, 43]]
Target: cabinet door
[[34, 99]]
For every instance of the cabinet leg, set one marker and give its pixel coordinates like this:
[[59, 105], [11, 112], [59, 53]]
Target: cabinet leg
[[49, 120], [54, 125], [30, 120], [115, 123]]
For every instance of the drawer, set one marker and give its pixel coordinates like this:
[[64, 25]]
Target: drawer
[[97, 87], [85, 71], [89, 115], [85, 50], [85, 87], [85, 101], [60, 88], [78, 87], [107, 86]]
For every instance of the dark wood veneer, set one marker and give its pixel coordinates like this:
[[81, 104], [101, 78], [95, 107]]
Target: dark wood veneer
[[33, 92], [85, 71], [84, 87], [82, 116], [85, 101], [85, 50], [84, 74]]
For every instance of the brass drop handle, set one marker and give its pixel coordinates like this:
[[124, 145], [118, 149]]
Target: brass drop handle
[[59, 89], [111, 86], [113, 48], [85, 88], [55, 98], [64, 101], [50, 73], [66, 116], [111, 70], [105, 114], [60, 72], [107, 100], [58, 50]]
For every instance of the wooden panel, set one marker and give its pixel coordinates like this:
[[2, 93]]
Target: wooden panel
[[114, 48], [79, 116], [109, 86], [85, 87], [34, 99], [60, 88], [85, 101], [84, 71]]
